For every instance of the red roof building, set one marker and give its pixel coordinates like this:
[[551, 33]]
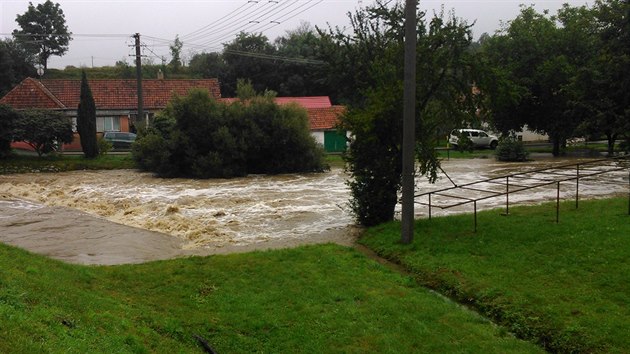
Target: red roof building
[[116, 102], [108, 94]]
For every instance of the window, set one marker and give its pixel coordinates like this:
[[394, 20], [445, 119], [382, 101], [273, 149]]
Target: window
[[148, 117], [107, 124]]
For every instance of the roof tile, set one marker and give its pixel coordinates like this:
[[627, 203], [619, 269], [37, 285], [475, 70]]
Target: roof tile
[[108, 94]]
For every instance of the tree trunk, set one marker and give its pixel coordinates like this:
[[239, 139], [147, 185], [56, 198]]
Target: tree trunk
[[556, 146], [611, 143]]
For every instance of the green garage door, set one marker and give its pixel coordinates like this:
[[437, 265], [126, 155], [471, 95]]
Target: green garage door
[[334, 141]]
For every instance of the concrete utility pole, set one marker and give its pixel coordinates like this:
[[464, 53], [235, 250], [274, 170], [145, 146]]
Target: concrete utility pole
[[140, 116], [409, 129]]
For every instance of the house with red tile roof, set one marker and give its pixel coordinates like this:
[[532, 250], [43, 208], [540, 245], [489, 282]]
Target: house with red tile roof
[[116, 103], [324, 121], [116, 99]]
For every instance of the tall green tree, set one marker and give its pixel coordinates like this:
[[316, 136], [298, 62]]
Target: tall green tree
[[43, 130], [43, 31], [15, 65], [601, 87], [296, 76], [86, 120], [176, 54], [531, 65], [246, 57], [367, 65], [208, 65], [8, 117]]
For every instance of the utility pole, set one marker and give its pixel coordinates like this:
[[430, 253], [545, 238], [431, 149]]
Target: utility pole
[[140, 116], [409, 116]]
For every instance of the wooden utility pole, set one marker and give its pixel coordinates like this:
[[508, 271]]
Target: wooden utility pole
[[140, 116], [409, 116]]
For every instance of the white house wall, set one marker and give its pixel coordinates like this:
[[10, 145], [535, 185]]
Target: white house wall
[[319, 136]]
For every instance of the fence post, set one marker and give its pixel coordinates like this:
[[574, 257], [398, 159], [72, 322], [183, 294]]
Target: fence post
[[507, 195], [558, 204], [429, 206], [577, 187], [475, 202]]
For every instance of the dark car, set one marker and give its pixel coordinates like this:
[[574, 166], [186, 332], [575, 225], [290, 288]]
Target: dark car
[[120, 140]]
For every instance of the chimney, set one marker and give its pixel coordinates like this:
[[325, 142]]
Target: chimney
[[160, 74]]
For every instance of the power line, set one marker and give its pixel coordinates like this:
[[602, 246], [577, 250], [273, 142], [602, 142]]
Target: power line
[[251, 23], [215, 23], [232, 21]]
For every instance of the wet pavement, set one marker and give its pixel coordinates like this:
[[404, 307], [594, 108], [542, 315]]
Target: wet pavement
[[124, 216]]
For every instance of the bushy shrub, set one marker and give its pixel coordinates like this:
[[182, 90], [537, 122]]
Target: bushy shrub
[[511, 149], [44, 130], [464, 144], [196, 136], [104, 146]]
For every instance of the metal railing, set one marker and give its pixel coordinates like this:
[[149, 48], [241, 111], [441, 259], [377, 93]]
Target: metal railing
[[507, 185]]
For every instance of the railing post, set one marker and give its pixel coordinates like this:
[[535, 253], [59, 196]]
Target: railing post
[[475, 203], [558, 204], [507, 195], [429, 206], [577, 187]]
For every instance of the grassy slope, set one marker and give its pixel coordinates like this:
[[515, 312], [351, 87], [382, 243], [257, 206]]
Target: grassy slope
[[565, 285], [312, 299]]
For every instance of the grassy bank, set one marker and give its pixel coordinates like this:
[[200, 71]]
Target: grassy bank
[[564, 285], [313, 299], [60, 163]]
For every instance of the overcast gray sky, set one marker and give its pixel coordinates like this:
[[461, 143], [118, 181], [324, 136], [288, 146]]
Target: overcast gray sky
[[159, 22]]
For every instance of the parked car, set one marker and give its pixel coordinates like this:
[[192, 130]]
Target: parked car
[[478, 137], [120, 140]]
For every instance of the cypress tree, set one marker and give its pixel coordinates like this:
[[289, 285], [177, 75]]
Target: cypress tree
[[86, 120]]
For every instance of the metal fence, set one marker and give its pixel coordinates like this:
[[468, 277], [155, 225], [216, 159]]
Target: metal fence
[[504, 186]]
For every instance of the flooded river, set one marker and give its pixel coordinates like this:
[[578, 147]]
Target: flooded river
[[211, 214]]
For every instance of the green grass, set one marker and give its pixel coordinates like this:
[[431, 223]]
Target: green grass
[[564, 285], [315, 299], [334, 160], [455, 154], [59, 163]]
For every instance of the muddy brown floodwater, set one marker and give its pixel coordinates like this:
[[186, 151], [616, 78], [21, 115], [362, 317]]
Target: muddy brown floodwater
[[125, 212]]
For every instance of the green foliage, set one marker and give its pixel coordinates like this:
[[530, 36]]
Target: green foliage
[[562, 285], [176, 51], [43, 31], [248, 66], [530, 64], [208, 65], [44, 130], [199, 137], [368, 65], [86, 120], [15, 65], [511, 149], [464, 144], [374, 160], [8, 117], [600, 88], [563, 75], [104, 146]]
